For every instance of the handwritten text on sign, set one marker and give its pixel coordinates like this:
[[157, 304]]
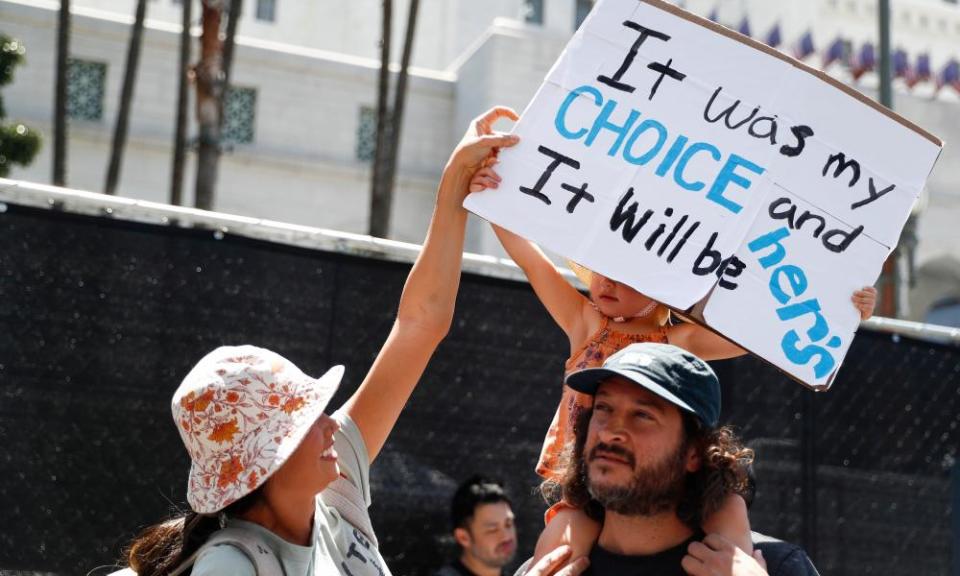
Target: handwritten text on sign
[[665, 154]]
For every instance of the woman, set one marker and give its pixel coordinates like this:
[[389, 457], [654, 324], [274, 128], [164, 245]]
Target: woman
[[262, 448]]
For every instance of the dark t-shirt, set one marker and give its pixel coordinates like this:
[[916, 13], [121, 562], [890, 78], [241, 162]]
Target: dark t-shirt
[[783, 559], [455, 568], [666, 563]]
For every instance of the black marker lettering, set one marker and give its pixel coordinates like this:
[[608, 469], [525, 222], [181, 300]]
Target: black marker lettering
[[787, 215], [842, 164], [676, 228], [664, 70], [578, 195], [873, 194], [846, 238], [708, 253], [732, 267], [821, 222], [771, 130], [801, 133], [833, 240], [682, 242], [658, 232], [626, 218], [653, 237], [558, 159], [728, 113], [631, 55]]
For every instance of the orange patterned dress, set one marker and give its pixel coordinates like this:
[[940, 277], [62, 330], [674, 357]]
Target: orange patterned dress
[[601, 344]]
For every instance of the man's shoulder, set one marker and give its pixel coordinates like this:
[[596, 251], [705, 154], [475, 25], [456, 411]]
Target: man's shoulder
[[783, 558]]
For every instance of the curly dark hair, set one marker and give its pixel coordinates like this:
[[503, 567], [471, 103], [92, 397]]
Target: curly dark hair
[[723, 471]]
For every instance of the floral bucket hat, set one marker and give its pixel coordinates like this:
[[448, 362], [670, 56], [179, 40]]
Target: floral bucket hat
[[241, 412]]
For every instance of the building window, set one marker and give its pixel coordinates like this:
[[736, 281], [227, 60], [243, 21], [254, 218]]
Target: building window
[[533, 11], [239, 115], [367, 134], [86, 84], [267, 10], [583, 8]]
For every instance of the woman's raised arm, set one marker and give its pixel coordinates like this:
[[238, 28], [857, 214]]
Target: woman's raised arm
[[427, 302]]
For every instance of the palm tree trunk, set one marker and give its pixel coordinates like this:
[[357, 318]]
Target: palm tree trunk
[[183, 97], [126, 99], [60, 98], [229, 43], [209, 92], [379, 205], [399, 101]]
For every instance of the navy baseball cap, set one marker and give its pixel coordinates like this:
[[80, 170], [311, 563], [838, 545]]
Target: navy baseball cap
[[669, 372]]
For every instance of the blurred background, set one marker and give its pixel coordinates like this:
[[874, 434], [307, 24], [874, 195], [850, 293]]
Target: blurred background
[[292, 97], [340, 114]]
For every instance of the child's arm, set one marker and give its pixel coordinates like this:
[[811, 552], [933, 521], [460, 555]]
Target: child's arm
[[702, 342], [571, 527], [550, 565], [717, 556], [731, 522], [568, 308], [711, 346]]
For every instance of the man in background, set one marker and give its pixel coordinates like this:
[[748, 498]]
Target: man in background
[[483, 526]]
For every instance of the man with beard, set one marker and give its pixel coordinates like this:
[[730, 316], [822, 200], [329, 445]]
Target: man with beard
[[483, 526], [650, 463]]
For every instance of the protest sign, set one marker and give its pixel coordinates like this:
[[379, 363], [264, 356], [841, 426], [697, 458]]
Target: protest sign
[[713, 174]]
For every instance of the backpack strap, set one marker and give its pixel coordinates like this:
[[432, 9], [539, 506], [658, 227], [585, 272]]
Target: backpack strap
[[264, 561]]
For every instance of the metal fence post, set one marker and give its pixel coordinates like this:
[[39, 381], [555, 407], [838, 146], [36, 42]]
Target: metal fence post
[[955, 520], [808, 473]]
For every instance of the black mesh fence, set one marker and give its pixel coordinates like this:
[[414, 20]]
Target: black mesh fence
[[99, 319]]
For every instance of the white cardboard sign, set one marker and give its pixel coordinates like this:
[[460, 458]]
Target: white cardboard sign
[[698, 166]]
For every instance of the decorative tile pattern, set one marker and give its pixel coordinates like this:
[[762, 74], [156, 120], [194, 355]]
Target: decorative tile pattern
[[367, 134], [239, 115], [86, 84]]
